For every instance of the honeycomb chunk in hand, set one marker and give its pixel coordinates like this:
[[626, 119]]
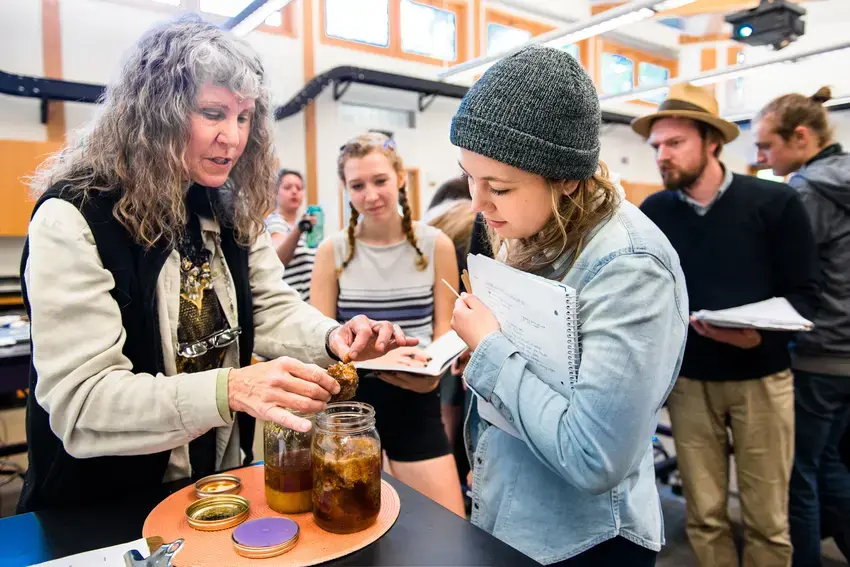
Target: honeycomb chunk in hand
[[346, 375]]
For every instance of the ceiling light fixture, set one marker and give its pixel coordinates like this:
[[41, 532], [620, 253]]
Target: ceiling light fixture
[[253, 15]]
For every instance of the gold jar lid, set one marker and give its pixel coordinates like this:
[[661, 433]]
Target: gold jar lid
[[265, 537], [218, 484], [219, 512]]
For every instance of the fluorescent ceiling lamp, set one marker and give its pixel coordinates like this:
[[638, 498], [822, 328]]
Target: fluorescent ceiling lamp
[[606, 21], [727, 76], [600, 28], [718, 75], [837, 101], [253, 15]]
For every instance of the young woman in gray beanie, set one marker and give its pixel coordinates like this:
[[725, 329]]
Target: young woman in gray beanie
[[574, 483]]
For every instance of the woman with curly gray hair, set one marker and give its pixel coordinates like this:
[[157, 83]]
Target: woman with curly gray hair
[[149, 281]]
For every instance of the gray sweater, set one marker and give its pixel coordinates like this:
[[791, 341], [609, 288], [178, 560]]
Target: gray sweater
[[824, 187]]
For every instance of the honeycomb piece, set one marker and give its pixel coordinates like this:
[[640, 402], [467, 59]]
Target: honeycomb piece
[[346, 375]]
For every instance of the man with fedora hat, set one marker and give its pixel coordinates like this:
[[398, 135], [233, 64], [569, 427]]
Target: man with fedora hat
[[740, 240]]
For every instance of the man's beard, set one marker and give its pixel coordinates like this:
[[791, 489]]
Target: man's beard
[[677, 179]]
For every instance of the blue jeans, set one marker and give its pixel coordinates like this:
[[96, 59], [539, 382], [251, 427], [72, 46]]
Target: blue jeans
[[820, 481]]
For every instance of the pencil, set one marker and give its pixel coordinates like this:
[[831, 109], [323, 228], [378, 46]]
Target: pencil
[[454, 291]]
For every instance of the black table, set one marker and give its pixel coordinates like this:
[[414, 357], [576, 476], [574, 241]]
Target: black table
[[424, 534], [14, 376], [14, 367]]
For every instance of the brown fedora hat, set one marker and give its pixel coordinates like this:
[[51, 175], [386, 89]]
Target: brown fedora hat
[[688, 101]]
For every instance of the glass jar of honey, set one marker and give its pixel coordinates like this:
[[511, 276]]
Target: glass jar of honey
[[346, 468], [288, 472]]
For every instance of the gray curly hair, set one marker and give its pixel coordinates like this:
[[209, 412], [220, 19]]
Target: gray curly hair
[[136, 144]]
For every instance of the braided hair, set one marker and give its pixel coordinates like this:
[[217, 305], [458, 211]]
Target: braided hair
[[360, 147]]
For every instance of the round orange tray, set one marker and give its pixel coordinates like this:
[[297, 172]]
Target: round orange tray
[[315, 545]]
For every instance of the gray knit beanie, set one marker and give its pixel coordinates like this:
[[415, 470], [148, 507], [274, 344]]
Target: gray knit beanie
[[536, 110]]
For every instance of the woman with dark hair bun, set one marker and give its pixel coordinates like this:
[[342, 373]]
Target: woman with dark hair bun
[[795, 138], [288, 232]]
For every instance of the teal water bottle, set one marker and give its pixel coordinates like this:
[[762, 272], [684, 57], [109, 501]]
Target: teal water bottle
[[317, 233]]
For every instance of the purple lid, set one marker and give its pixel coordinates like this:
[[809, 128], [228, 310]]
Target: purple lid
[[265, 532]]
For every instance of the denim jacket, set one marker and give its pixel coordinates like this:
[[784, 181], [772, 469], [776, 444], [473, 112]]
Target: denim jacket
[[583, 472]]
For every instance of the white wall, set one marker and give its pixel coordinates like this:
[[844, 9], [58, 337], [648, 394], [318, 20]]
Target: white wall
[[21, 53], [628, 155]]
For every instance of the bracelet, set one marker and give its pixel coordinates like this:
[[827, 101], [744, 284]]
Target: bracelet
[[328, 343]]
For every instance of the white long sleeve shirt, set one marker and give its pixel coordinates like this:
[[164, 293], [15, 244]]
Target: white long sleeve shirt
[[97, 404]]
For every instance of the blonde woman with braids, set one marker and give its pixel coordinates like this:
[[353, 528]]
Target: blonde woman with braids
[[570, 480], [149, 281], [386, 264]]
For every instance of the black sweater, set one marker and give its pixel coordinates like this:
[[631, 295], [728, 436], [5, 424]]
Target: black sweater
[[753, 244]]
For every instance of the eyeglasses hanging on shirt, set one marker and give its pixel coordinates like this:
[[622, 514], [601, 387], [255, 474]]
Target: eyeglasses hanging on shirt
[[219, 339]]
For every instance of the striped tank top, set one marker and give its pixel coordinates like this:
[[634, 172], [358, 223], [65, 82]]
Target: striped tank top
[[382, 282]]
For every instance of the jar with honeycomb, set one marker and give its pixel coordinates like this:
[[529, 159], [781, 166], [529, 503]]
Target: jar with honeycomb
[[346, 468]]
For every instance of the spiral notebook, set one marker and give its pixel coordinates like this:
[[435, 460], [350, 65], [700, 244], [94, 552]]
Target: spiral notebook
[[538, 316]]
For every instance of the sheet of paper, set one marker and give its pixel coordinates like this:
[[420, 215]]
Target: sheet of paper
[[537, 316], [443, 352], [775, 314], [107, 556], [532, 312], [491, 415]]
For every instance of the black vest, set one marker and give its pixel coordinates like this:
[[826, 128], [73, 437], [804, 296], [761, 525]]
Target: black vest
[[56, 479]]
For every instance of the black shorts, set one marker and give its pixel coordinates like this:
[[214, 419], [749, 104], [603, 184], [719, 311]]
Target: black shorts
[[409, 423]]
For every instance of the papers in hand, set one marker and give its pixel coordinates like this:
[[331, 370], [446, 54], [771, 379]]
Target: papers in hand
[[100, 557], [538, 316], [774, 314], [443, 352]]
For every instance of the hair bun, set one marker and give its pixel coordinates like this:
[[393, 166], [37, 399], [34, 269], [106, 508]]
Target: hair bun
[[822, 96]]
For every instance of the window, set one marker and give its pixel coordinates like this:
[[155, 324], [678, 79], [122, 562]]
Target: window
[[364, 21], [623, 68], [428, 31], [572, 49], [506, 31], [502, 38], [618, 74], [281, 21], [650, 74], [735, 92]]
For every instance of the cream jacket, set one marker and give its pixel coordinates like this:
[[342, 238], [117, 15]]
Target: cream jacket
[[98, 406]]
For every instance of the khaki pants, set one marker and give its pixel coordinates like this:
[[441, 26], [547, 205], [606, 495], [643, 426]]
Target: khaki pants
[[760, 414]]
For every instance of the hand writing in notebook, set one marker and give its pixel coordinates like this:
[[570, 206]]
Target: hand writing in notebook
[[741, 338], [413, 357], [406, 356], [472, 320]]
